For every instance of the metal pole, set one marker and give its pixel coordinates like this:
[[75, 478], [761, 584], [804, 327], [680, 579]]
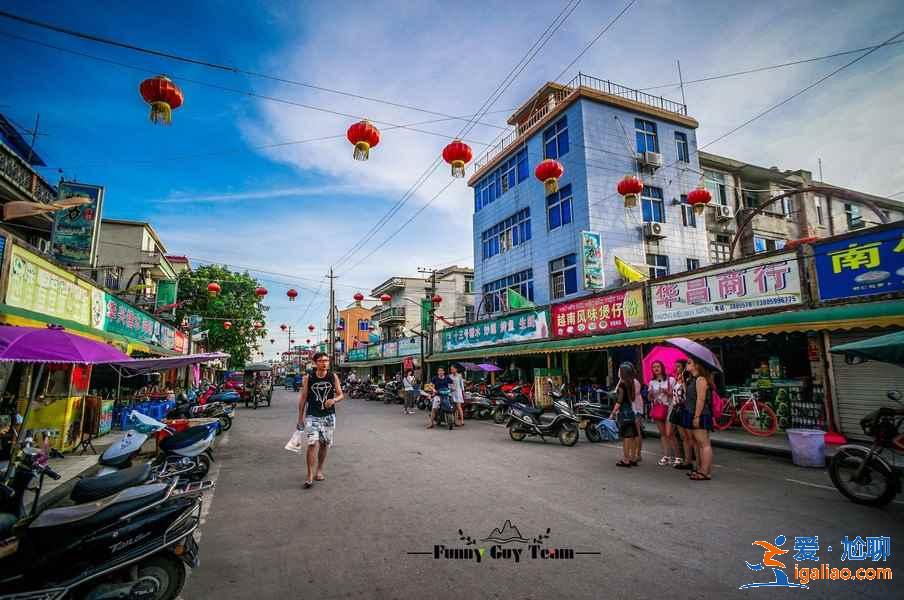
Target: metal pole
[[36, 385], [332, 321], [681, 81]]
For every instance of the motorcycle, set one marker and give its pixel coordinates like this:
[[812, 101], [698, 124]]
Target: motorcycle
[[375, 392], [445, 414], [135, 543], [589, 415], [185, 453], [216, 409], [527, 420], [424, 399], [477, 406], [861, 472], [391, 392], [502, 400]]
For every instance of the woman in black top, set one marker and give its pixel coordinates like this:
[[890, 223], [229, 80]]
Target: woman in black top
[[699, 417]]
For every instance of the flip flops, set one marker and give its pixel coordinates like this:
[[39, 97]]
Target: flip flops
[[307, 484]]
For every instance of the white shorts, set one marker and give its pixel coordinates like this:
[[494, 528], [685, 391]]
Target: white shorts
[[319, 429]]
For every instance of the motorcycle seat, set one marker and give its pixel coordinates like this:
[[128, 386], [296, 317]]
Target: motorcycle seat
[[96, 514], [117, 462], [7, 521], [190, 436], [95, 488], [531, 410]]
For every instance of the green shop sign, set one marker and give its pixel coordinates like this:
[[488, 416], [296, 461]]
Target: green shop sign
[[357, 354], [528, 326], [374, 351], [124, 319]]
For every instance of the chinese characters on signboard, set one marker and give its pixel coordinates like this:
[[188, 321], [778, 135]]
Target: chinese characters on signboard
[[357, 354], [764, 283], [870, 263], [390, 349], [527, 326], [374, 351], [124, 319], [592, 260], [75, 231], [598, 314], [39, 286]]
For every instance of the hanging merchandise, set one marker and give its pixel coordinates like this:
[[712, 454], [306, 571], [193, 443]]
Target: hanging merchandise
[[164, 97], [458, 154], [364, 136], [630, 188], [699, 198], [549, 171]]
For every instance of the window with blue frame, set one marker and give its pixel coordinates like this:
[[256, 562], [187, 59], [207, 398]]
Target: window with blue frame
[[681, 145], [652, 204], [563, 276], [558, 208], [506, 234], [555, 139], [494, 291], [688, 216], [511, 172], [645, 132]]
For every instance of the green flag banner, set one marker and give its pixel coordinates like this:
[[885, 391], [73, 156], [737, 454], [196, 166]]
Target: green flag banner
[[516, 301], [426, 305], [166, 292]]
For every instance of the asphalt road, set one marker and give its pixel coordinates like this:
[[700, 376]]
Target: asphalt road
[[394, 487]]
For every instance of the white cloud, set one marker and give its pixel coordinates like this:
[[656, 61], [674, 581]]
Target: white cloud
[[267, 194]]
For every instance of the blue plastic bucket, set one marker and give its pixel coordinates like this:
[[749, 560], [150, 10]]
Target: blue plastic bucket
[[808, 447]]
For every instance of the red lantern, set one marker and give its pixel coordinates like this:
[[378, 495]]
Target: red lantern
[[283, 327], [699, 197], [364, 136], [436, 299], [272, 340], [630, 187], [163, 96], [549, 171], [292, 294], [213, 288], [227, 325], [311, 328], [457, 154], [308, 342], [260, 292], [258, 325], [385, 298], [291, 341], [359, 297]]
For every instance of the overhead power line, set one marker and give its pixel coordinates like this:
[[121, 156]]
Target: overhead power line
[[228, 68]]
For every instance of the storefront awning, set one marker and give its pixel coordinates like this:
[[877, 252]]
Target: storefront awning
[[396, 360], [830, 318], [147, 365]]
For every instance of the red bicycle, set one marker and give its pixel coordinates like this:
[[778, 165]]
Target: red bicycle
[[755, 416]]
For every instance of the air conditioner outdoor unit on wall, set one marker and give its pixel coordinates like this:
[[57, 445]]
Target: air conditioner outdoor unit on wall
[[652, 159], [723, 213], [653, 230]]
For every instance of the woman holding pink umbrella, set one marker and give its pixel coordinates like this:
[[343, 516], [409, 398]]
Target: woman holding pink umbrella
[[662, 399]]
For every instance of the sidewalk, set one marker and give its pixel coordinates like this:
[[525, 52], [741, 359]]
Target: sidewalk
[[738, 439], [72, 467]]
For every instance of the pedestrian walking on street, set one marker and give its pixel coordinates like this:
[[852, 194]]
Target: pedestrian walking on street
[[676, 417], [410, 392], [699, 417], [627, 390], [441, 383], [662, 398], [320, 391], [458, 394]]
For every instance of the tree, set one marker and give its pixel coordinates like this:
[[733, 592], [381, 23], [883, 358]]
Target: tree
[[236, 303]]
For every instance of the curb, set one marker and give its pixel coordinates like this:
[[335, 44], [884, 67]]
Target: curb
[[736, 445]]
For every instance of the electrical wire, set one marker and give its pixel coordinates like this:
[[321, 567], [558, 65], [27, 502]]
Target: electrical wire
[[228, 68]]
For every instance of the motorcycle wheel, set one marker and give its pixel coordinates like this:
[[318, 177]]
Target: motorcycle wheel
[[225, 422], [421, 404], [515, 433], [876, 487], [200, 472], [592, 433], [499, 416], [568, 435], [484, 413], [163, 571]]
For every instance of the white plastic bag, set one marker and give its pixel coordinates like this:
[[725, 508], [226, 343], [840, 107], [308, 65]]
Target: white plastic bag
[[296, 443]]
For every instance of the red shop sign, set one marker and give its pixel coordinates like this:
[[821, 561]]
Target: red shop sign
[[595, 315]]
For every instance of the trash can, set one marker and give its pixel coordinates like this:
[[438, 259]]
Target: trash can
[[808, 447]]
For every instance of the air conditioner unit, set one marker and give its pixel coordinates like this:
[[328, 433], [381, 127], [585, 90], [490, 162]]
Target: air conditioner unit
[[652, 230], [652, 159], [723, 213]]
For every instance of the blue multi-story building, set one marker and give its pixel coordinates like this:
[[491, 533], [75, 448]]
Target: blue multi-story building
[[599, 131]]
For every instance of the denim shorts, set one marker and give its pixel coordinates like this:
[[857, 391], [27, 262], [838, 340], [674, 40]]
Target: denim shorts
[[319, 429]]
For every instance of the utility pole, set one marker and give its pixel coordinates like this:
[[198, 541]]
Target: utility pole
[[431, 331], [681, 83], [331, 322]]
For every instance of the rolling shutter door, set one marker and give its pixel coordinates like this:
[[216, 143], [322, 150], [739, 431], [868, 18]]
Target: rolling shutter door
[[860, 389]]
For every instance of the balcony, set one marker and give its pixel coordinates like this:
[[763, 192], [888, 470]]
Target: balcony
[[560, 93], [158, 264], [16, 174], [391, 314]]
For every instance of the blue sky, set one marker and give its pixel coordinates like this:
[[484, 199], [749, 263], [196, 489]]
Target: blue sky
[[212, 192]]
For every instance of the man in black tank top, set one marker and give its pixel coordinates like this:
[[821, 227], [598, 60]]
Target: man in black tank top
[[320, 392]]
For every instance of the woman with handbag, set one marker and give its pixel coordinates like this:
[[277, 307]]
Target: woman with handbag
[[626, 393], [676, 417], [662, 399]]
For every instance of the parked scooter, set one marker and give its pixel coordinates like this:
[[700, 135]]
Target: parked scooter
[[134, 544], [503, 400], [477, 406], [185, 409], [527, 420], [391, 392], [589, 415], [375, 392]]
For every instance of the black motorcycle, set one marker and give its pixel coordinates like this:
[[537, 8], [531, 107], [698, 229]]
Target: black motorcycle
[[589, 415], [503, 401], [445, 414], [133, 543], [391, 392], [375, 392], [559, 421], [861, 472], [477, 406]]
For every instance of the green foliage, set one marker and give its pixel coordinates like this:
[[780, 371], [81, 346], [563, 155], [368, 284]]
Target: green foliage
[[236, 303]]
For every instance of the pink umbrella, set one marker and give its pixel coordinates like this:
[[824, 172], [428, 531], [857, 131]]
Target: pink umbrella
[[667, 354]]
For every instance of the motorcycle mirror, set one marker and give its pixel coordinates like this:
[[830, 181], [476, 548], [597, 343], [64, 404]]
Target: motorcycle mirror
[[852, 359]]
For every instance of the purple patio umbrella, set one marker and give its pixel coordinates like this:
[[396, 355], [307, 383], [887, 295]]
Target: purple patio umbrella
[[489, 368], [696, 351], [54, 345]]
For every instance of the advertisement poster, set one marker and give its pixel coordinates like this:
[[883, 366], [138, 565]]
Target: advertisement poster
[[37, 285], [592, 260], [98, 309], [180, 343], [390, 349], [530, 326], [870, 263], [763, 283], [75, 231], [410, 346], [357, 354], [131, 322], [374, 351], [598, 314]]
